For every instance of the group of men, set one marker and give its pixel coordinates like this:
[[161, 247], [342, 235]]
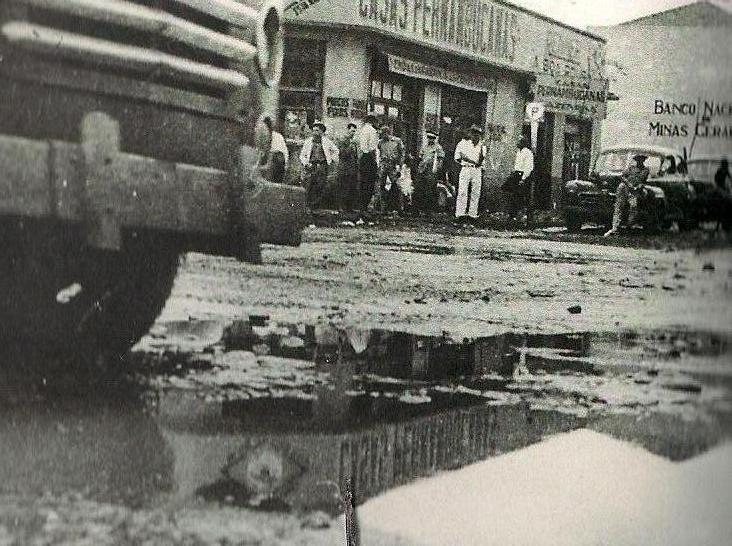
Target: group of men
[[370, 165]]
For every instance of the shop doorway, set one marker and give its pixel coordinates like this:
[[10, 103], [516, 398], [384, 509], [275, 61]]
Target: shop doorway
[[542, 162], [459, 109], [577, 149], [394, 100]]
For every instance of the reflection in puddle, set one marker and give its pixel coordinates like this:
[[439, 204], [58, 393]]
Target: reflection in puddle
[[279, 416]]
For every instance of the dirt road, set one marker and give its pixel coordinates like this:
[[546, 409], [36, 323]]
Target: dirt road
[[368, 358], [466, 285]]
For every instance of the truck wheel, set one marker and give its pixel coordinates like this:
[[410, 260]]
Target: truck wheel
[[63, 301], [574, 223]]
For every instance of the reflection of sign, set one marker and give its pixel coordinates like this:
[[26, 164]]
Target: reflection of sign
[[535, 111], [575, 97], [417, 69]]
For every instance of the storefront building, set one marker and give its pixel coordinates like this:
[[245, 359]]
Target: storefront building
[[444, 65]]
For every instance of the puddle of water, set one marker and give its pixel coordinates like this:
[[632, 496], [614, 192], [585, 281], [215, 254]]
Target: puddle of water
[[279, 416]]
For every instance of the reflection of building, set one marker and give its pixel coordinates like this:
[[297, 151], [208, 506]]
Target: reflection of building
[[468, 61], [308, 469], [681, 58]]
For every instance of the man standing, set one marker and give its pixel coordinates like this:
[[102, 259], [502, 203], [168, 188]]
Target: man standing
[[391, 161], [626, 197], [469, 154], [431, 159], [317, 155], [368, 140], [348, 170], [523, 167]]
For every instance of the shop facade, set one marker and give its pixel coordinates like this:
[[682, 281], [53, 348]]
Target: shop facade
[[444, 65]]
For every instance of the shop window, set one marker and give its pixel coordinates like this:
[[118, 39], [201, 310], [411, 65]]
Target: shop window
[[301, 86]]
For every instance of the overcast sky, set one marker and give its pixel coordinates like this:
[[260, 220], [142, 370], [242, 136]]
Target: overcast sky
[[583, 13]]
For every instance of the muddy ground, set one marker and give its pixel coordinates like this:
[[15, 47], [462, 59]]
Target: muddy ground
[[369, 357], [466, 282]]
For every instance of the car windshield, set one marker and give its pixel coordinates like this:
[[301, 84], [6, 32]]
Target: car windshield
[[620, 161], [612, 161]]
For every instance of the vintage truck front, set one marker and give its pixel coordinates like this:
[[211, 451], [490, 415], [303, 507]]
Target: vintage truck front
[[131, 131], [130, 114]]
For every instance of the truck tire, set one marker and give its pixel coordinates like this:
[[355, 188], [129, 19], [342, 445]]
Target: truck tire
[[69, 303]]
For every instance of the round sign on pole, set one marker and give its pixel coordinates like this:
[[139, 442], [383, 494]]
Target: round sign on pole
[[535, 111]]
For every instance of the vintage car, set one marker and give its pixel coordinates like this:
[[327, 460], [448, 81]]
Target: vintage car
[[712, 204], [668, 195]]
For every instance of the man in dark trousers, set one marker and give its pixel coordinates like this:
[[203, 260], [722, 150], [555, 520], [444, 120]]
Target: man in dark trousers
[[318, 154], [368, 141], [519, 187], [388, 196], [348, 170], [429, 169]]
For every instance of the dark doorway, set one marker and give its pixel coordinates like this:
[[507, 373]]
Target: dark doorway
[[542, 162], [463, 107], [577, 148]]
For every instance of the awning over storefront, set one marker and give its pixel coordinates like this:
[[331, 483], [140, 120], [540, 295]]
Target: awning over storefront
[[424, 71]]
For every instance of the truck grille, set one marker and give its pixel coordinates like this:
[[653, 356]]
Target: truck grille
[[204, 46]]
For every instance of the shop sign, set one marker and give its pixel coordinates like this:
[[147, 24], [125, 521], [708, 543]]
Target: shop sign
[[569, 55], [344, 107], [574, 97], [485, 29], [416, 69], [337, 107]]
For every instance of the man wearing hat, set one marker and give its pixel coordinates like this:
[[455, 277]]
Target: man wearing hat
[[368, 142], [431, 159], [318, 154], [348, 170], [469, 154], [391, 157], [519, 184], [626, 197]]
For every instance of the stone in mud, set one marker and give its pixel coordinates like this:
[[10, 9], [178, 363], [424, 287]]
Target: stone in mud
[[540, 294], [575, 309]]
